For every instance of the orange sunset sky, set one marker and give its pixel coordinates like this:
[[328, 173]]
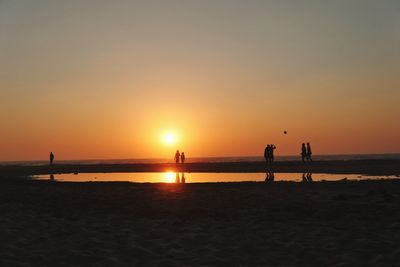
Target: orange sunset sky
[[110, 79]]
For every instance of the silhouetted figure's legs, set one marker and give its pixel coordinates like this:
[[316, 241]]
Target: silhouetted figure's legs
[[183, 180], [177, 178], [309, 177]]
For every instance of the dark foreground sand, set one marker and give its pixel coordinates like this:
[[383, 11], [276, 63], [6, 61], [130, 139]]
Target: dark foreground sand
[[232, 224]]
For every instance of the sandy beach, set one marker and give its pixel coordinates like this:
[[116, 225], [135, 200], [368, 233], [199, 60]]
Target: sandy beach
[[199, 133], [228, 224]]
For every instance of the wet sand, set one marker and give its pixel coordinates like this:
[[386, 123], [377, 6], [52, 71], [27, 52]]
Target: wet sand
[[46, 223], [372, 167]]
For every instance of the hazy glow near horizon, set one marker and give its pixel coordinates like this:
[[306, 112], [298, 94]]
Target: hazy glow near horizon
[[96, 79]]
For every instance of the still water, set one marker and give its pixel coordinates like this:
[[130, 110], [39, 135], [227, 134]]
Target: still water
[[172, 177]]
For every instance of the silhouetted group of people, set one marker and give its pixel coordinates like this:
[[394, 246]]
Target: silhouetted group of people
[[180, 157], [269, 153], [306, 152]]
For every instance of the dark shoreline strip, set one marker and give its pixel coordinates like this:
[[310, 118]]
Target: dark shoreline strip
[[371, 167]]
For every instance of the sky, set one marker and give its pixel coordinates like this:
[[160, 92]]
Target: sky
[[109, 79]]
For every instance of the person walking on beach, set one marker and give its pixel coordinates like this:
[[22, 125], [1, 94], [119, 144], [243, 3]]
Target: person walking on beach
[[309, 153], [271, 153], [183, 157], [266, 154], [51, 158], [177, 157], [303, 152]]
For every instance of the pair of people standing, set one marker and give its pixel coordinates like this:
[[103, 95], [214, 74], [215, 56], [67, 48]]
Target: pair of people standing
[[180, 157], [306, 152], [269, 153]]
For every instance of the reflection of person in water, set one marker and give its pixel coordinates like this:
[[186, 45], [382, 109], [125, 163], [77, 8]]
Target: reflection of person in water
[[307, 177], [51, 177], [270, 177], [183, 180], [177, 180]]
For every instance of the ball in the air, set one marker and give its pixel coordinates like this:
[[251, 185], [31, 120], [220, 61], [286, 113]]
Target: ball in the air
[[285, 132]]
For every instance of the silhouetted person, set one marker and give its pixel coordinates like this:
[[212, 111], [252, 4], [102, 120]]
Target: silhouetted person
[[183, 180], [51, 158], [266, 154], [183, 158], [177, 178], [52, 177], [271, 153], [309, 152], [177, 157], [303, 152]]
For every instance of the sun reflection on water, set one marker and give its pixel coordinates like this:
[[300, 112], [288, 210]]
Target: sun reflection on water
[[169, 177]]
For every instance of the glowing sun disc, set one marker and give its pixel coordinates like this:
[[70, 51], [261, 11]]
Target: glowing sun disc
[[169, 139]]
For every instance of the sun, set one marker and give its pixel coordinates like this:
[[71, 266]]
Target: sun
[[169, 138]]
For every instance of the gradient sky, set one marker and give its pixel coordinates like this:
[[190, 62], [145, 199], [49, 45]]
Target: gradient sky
[[106, 79]]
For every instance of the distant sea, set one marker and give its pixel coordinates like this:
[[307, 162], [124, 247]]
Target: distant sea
[[208, 159]]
